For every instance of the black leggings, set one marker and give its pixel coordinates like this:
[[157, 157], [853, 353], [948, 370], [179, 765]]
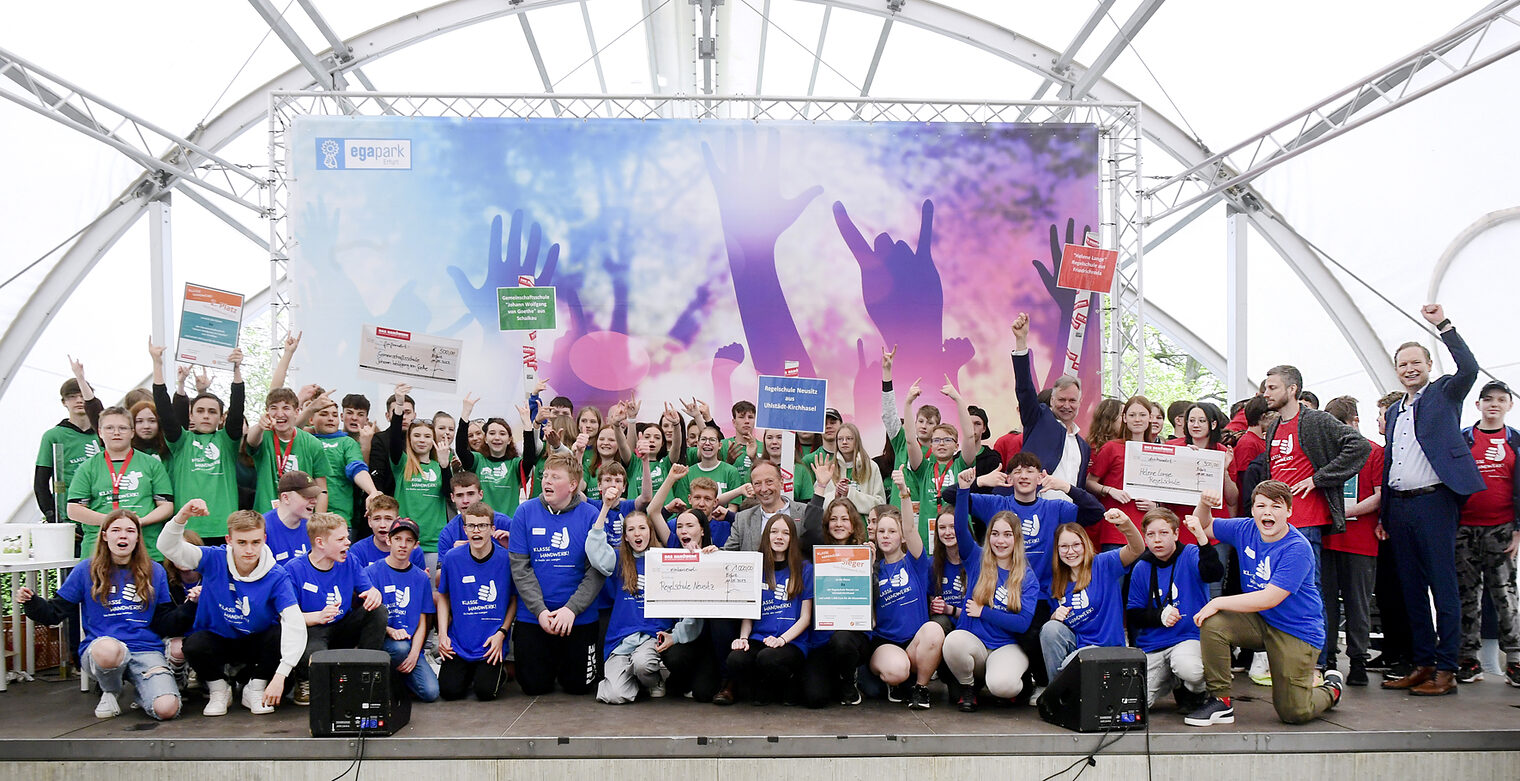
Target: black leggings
[[457, 677], [831, 664], [768, 673], [1030, 642], [542, 658], [209, 653], [693, 667]]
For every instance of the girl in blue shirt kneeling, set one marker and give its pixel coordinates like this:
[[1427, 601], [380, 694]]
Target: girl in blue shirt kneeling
[[1088, 590], [768, 656]]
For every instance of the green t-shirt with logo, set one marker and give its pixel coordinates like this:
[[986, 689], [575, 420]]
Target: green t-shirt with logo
[[204, 466], [658, 469], [726, 475], [64, 449], [305, 455], [340, 450], [421, 499], [143, 480], [925, 490], [500, 484], [741, 460]]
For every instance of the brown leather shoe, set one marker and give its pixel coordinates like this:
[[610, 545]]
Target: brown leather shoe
[[725, 695], [1419, 676], [1444, 682]]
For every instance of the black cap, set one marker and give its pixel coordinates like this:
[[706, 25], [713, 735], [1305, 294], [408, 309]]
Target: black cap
[[300, 483], [981, 413], [833, 413], [1497, 385], [405, 525]]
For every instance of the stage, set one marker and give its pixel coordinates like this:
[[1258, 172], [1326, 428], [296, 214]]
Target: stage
[[49, 731]]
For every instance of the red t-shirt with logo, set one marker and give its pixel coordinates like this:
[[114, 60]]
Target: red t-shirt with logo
[[1291, 465], [1108, 468], [1495, 504], [1360, 536], [1247, 448]]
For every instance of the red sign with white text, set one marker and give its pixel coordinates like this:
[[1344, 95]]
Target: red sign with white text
[[1088, 268]]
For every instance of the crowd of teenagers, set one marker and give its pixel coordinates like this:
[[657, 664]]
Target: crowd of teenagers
[[221, 552]]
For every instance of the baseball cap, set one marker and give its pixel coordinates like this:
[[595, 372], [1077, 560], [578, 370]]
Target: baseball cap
[[981, 413], [833, 413], [1498, 385], [406, 525], [299, 482]]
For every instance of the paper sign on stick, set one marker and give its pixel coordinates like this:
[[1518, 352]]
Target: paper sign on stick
[[208, 326]]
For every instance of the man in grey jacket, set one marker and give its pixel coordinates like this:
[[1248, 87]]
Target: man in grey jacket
[[744, 535]]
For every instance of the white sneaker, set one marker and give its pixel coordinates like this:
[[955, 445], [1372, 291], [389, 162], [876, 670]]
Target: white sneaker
[[253, 698], [220, 693], [658, 691], [108, 707], [1261, 673]]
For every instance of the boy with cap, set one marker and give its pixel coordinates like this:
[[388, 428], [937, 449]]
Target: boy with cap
[[1488, 535], [407, 593], [295, 501], [340, 605]]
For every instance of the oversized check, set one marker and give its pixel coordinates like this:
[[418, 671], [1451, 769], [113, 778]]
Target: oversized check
[[1175, 474], [687, 584], [391, 354], [842, 584]]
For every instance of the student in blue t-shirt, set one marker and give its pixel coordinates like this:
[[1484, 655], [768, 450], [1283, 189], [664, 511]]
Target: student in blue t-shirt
[[464, 488], [904, 642], [476, 602], [247, 612], [1089, 589], [1279, 609], [285, 524], [341, 607], [770, 652], [1169, 584], [956, 549], [556, 634], [407, 593], [381, 514], [123, 597]]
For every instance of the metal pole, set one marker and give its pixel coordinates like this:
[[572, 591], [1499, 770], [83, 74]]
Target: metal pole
[[161, 270], [1238, 381]]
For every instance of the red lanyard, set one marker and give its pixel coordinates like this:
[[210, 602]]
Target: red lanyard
[[939, 477], [116, 476], [281, 457]]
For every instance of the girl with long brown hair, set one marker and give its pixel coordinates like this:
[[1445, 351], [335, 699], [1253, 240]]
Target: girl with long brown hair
[[123, 596], [770, 652], [1105, 478]]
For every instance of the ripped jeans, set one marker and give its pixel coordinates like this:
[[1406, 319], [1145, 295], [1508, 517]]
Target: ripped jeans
[[148, 672]]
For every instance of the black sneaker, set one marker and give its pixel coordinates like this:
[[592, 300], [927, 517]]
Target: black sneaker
[[1358, 675], [1336, 683], [849, 692], [918, 697], [897, 693], [1216, 711], [1188, 701], [1469, 671], [967, 702], [1512, 674], [1397, 670]]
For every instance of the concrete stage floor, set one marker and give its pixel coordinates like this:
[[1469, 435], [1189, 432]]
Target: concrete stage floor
[[49, 720]]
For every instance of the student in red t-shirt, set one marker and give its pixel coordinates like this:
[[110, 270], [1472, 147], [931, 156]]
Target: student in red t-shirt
[[1252, 441], [1105, 478], [1350, 559], [1203, 429], [1488, 536]]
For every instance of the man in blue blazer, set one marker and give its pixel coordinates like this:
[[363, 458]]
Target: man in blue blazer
[[1428, 472], [1050, 431]]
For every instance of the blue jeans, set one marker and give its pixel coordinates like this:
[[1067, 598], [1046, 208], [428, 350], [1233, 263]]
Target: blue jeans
[[1316, 537], [1058, 644], [421, 680], [148, 671]]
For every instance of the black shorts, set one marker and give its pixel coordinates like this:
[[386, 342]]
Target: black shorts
[[876, 641]]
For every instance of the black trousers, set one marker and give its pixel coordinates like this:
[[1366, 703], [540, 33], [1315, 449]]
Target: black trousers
[[209, 653], [1030, 642], [767, 673], [458, 677], [693, 667], [358, 628], [829, 665], [542, 658], [1393, 617]]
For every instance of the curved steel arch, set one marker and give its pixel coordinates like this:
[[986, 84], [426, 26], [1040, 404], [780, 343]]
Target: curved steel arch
[[405, 31]]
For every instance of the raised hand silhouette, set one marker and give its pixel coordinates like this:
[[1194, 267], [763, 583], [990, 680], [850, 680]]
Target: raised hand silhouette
[[503, 271], [754, 214], [900, 284], [1064, 298]]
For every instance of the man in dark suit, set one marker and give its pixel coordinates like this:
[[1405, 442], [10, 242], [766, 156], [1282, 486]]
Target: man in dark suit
[[1428, 473], [1050, 430]]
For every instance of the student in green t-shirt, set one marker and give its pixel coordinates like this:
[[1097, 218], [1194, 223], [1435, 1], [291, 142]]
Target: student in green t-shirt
[[498, 463], [606, 447], [422, 476], [119, 477], [949, 453], [650, 448], [708, 465], [346, 468], [203, 459], [279, 447], [66, 446], [740, 449]]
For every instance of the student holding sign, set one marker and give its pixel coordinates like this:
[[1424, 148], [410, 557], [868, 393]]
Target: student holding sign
[[769, 654], [1089, 591], [203, 460], [498, 464], [1105, 478], [836, 656]]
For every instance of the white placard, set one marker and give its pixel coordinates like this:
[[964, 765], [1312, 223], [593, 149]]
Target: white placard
[[686, 584], [391, 354], [1174, 474]]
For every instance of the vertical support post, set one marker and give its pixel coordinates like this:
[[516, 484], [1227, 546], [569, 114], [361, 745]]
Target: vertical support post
[[1238, 382], [161, 270]]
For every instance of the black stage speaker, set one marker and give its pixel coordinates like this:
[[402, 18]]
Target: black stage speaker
[[353, 692], [1101, 689]]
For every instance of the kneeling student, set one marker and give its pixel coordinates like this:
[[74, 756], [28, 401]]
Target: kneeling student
[[329, 587], [476, 602], [1168, 585], [247, 612], [124, 597], [1279, 610], [381, 515], [407, 593]]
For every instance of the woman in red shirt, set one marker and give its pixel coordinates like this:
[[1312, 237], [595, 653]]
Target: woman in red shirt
[[1105, 477]]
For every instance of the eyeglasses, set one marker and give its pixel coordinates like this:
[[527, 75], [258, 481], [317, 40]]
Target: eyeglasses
[[115, 429], [942, 441], [477, 527], [1073, 547]]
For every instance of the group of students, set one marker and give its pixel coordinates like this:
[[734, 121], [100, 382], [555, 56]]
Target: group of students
[[993, 565]]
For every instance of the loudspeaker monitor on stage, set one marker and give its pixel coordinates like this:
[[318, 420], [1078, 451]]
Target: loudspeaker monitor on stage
[[1100, 689], [354, 692]]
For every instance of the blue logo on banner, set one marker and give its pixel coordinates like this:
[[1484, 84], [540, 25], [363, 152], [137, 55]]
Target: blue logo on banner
[[347, 154], [791, 403]]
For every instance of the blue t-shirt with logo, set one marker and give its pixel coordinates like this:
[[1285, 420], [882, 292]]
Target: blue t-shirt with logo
[[952, 577], [998, 626], [285, 543], [902, 598], [318, 588], [1038, 520], [556, 545], [478, 593], [1096, 613], [717, 531], [125, 614], [627, 617], [778, 612], [1181, 586], [366, 552], [233, 608], [453, 535], [407, 594], [1287, 564]]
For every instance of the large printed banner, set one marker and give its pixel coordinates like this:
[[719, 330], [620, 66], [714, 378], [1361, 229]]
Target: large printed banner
[[688, 258]]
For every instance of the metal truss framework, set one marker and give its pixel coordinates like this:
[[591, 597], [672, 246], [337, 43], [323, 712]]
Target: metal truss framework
[[1118, 124]]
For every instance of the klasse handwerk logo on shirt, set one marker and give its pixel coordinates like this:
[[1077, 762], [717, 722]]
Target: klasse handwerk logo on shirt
[[1495, 452], [900, 578], [1285, 445], [209, 450], [130, 480], [487, 592], [403, 596], [129, 593], [1264, 569], [1032, 526], [243, 606], [1000, 596], [561, 539], [1079, 600], [779, 592], [334, 597]]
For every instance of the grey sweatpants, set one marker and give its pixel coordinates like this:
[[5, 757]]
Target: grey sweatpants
[[623, 674]]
